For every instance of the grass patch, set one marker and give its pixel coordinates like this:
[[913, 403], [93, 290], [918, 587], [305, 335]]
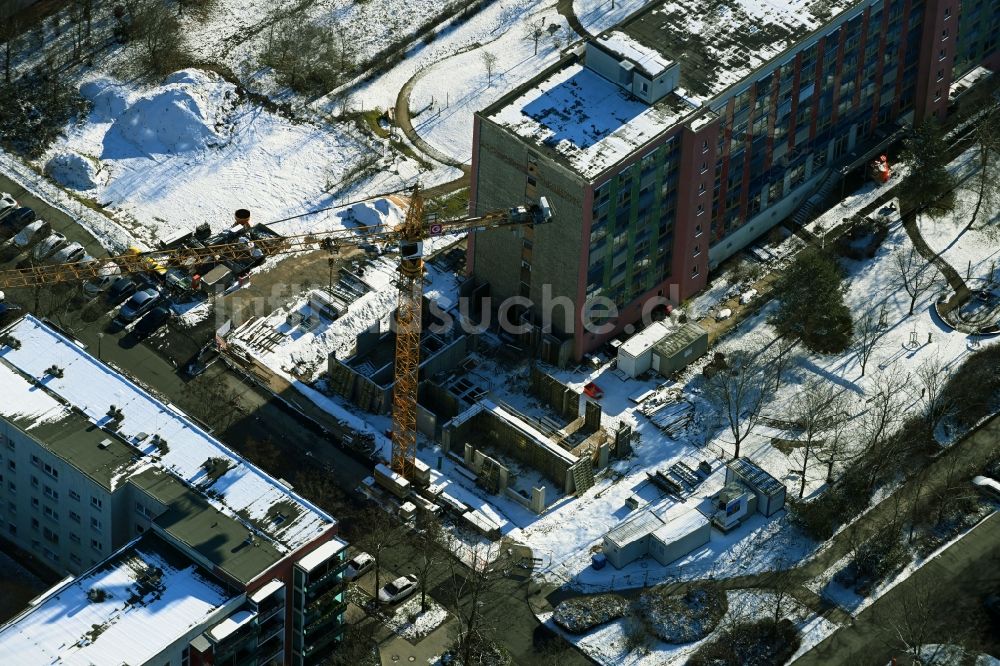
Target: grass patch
[[449, 207]]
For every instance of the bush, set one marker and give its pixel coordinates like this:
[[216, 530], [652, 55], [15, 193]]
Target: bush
[[821, 517], [875, 560], [682, 618], [584, 613], [761, 643], [974, 388]]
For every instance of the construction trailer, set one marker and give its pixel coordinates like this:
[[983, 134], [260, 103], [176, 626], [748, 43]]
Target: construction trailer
[[770, 492], [662, 347], [666, 537]]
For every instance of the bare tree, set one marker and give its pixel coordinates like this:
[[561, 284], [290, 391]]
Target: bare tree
[[986, 184], [879, 421], [382, 533], [914, 274], [157, 32], [914, 623], [817, 409], [533, 32], [933, 377], [490, 65], [781, 356], [429, 544], [836, 447], [473, 588], [10, 29], [869, 335], [740, 390]]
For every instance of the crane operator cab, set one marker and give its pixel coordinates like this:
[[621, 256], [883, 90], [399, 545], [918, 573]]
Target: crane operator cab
[[539, 213]]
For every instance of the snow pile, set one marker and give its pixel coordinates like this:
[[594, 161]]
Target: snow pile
[[585, 613], [109, 99], [374, 214], [179, 116], [73, 171]]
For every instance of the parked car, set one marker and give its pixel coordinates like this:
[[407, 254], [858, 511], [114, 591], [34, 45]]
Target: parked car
[[138, 304], [153, 320], [358, 566], [593, 390], [398, 589], [31, 234], [987, 486], [70, 254], [17, 220], [7, 205], [106, 275], [48, 246], [120, 289]]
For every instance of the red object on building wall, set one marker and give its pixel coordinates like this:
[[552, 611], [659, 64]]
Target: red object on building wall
[[880, 170]]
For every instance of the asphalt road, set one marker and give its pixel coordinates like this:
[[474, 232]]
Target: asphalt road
[[958, 579]]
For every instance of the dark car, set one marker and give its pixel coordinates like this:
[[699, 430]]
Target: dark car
[[120, 289], [153, 320], [139, 304], [19, 219]]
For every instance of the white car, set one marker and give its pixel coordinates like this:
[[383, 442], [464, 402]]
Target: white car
[[70, 254], [723, 314], [398, 589], [747, 296], [7, 205], [31, 234], [49, 245], [106, 274], [988, 486], [358, 566]]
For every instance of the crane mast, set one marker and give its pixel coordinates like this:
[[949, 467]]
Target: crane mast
[[408, 329], [409, 236]]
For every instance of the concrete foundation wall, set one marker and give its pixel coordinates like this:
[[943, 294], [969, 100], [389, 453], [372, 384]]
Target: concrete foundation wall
[[485, 430]]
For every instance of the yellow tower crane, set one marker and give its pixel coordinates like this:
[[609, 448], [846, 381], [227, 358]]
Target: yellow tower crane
[[408, 236]]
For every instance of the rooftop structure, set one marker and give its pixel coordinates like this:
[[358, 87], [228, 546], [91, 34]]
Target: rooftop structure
[[158, 433], [129, 609]]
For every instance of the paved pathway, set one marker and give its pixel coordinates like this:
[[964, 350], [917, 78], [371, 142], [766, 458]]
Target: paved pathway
[[961, 572], [565, 8]]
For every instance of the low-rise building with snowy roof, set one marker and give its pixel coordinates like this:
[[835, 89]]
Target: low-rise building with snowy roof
[[94, 461], [674, 139]]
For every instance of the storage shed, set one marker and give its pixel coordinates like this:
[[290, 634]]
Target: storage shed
[[629, 541], [769, 491], [667, 537], [679, 348], [635, 355], [679, 536]]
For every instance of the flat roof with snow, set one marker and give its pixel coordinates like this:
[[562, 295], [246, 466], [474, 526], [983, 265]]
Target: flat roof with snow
[[591, 124], [645, 339], [153, 596], [232, 486], [588, 121]]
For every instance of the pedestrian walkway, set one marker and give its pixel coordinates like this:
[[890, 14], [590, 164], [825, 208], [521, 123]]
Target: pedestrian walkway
[[397, 650]]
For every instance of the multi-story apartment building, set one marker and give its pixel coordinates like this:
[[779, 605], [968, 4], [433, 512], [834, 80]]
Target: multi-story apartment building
[[673, 140], [184, 552]]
